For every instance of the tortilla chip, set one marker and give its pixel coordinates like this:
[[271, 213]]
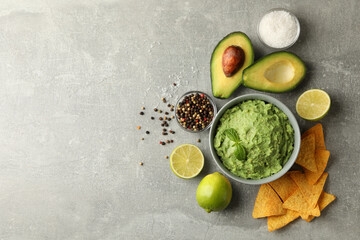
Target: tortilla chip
[[319, 136], [306, 216], [284, 186], [276, 222], [310, 192], [297, 202], [321, 159], [306, 156], [324, 200], [267, 203]]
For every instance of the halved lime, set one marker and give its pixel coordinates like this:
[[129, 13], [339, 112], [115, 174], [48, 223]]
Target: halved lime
[[313, 104], [186, 161]]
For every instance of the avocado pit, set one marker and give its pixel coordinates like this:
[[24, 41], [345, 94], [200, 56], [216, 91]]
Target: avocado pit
[[232, 60]]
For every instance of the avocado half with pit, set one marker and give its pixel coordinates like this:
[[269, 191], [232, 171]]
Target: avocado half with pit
[[231, 56], [277, 72]]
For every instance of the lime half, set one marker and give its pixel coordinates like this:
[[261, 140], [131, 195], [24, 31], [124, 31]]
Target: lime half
[[313, 104], [186, 161]]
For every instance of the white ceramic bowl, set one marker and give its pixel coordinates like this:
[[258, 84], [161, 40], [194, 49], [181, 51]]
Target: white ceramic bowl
[[293, 122]]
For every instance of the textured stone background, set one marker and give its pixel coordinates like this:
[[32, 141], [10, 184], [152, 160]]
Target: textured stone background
[[74, 75]]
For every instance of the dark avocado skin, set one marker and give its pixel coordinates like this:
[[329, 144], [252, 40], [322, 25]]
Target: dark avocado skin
[[233, 34], [274, 90]]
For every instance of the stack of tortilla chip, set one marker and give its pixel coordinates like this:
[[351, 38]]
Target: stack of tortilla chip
[[297, 194]]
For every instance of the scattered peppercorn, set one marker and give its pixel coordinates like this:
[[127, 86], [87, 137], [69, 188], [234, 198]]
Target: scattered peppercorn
[[174, 84], [199, 140], [141, 163], [166, 157], [195, 112], [138, 127], [164, 123]]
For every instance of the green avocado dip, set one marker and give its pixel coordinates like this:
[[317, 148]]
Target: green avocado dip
[[264, 132]]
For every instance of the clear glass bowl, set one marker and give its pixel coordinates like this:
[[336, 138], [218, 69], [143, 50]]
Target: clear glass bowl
[[297, 23], [211, 102]]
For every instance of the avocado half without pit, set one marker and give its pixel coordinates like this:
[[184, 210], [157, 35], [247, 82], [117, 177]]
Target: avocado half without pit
[[277, 72], [230, 57]]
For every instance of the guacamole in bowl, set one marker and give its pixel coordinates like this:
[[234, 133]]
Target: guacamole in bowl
[[255, 139]]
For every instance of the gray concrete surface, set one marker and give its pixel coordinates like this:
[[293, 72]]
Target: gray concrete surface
[[74, 75]]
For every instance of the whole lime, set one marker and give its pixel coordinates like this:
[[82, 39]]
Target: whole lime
[[214, 192]]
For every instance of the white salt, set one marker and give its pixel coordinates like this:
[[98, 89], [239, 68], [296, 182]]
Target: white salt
[[278, 29]]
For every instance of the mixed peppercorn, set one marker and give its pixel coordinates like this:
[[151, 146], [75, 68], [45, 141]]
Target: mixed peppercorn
[[164, 122], [195, 112]]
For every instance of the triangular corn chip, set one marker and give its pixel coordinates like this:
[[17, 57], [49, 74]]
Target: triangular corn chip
[[276, 222], [297, 202], [306, 157], [319, 136], [267, 203], [310, 192], [324, 200], [321, 159], [284, 186]]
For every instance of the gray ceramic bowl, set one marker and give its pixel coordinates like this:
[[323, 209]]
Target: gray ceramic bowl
[[293, 123]]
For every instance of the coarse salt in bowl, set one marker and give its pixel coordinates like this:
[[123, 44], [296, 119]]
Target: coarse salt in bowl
[[278, 29]]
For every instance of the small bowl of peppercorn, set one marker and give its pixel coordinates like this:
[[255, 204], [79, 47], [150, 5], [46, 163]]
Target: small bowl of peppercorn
[[195, 111]]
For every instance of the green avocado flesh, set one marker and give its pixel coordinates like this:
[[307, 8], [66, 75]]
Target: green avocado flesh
[[276, 72], [264, 131], [222, 86]]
